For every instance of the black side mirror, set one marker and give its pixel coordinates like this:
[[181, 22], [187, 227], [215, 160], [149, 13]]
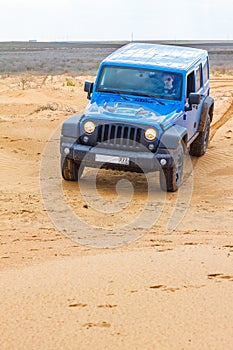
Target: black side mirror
[[88, 87], [194, 99]]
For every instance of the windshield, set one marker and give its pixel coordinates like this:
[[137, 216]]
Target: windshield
[[140, 82]]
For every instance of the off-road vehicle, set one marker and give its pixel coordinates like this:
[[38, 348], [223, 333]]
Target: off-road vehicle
[[148, 104]]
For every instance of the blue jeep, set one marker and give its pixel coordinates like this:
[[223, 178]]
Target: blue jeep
[[149, 104]]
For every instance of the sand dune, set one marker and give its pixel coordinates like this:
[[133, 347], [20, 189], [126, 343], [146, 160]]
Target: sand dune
[[166, 286]]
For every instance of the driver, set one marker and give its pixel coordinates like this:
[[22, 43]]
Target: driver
[[168, 80]]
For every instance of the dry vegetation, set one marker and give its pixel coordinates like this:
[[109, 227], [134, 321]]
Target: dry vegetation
[[84, 58], [36, 58]]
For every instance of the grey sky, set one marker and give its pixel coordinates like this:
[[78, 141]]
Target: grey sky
[[51, 20]]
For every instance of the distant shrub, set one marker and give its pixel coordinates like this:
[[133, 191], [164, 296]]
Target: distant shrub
[[70, 83], [25, 82]]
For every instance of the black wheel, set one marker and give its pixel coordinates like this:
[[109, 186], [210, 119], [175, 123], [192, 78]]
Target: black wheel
[[70, 170], [200, 144], [171, 178]]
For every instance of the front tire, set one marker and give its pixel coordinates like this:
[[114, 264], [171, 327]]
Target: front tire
[[70, 170], [171, 177]]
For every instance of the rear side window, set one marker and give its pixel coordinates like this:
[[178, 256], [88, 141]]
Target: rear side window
[[206, 71], [198, 78]]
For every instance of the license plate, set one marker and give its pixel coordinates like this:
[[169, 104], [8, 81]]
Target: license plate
[[111, 159]]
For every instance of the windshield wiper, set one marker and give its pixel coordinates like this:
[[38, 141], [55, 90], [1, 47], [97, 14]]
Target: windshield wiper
[[135, 94], [116, 92], [154, 98]]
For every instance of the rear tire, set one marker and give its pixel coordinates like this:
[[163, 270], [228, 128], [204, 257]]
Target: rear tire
[[200, 144], [70, 170], [171, 178]]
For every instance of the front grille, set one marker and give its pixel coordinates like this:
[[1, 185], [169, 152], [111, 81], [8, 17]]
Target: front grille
[[119, 135]]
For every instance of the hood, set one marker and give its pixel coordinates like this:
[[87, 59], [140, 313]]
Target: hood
[[141, 111]]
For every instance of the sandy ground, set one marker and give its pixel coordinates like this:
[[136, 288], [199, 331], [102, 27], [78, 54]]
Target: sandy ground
[[155, 288]]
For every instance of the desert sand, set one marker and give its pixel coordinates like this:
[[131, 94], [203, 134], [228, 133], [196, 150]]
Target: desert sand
[[153, 288]]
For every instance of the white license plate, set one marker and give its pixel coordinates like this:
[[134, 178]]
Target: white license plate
[[111, 159]]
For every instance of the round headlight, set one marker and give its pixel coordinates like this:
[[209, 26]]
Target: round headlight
[[89, 127], [150, 134]]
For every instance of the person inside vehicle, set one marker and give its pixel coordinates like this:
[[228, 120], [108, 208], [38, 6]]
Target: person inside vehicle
[[168, 81]]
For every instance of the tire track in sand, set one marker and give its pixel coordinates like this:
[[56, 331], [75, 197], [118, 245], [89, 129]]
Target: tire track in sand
[[223, 120]]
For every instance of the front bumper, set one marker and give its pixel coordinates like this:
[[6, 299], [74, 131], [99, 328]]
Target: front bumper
[[140, 161]]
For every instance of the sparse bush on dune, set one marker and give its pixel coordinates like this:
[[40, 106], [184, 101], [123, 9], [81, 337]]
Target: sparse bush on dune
[[31, 81], [70, 83], [25, 82], [54, 106]]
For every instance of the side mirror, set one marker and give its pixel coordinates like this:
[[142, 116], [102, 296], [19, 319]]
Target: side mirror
[[194, 99], [88, 87]]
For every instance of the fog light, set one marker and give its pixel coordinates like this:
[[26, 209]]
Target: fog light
[[163, 161], [151, 147], [66, 150], [85, 139]]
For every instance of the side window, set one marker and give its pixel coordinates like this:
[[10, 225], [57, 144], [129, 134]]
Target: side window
[[206, 71], [190, 84], [198, 78]]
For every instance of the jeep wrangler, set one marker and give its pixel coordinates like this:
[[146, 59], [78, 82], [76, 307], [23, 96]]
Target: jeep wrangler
[[148, 105]]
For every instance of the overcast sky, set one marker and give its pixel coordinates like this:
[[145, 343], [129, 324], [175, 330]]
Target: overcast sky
[[80, 20]]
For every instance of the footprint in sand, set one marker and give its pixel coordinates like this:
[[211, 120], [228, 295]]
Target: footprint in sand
[[102, 324], [220, 275], [107, 306], [77, 305]]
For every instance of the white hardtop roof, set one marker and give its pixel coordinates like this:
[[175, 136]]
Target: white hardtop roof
[[169, 56]]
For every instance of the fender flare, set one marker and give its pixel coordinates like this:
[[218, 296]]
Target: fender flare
[[207, 108], [70, 127], [173, 136]]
